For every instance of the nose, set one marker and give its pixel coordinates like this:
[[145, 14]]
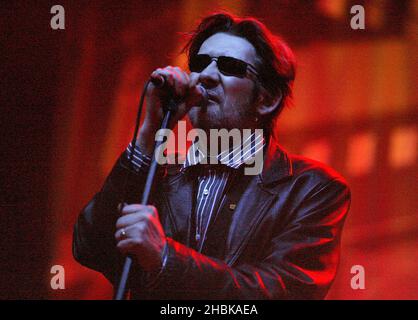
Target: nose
[[209, 77]]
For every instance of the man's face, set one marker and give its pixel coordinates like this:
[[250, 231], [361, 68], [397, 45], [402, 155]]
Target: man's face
[[231, 99]]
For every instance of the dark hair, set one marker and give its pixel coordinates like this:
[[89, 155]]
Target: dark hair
[[276, 63]]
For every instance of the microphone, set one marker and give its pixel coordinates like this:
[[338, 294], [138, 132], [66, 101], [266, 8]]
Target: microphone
[[198, 92]]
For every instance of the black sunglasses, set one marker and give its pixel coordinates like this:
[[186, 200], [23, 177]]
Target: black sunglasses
[[227, 65]]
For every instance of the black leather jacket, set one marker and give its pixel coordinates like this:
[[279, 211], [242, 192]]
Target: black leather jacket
[[283, 240]]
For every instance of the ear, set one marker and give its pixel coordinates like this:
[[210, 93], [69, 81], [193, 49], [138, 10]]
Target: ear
[[266, 103]]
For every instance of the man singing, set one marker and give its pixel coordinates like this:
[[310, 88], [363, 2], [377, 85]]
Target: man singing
[[214, 231]]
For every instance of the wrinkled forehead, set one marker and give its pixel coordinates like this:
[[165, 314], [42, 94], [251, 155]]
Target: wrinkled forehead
[[224, 44]]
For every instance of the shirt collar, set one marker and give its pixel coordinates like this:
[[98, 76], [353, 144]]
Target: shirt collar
[[232, 158]]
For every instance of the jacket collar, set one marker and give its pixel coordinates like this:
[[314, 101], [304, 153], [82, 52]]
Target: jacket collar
[[277, 164]]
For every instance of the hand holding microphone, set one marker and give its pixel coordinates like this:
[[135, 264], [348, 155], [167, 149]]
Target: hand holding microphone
[[166, 83], [176, 82]]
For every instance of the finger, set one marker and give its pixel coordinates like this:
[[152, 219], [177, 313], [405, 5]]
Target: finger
[[133, 218], [193, 81], [180, 85], [121, 234], [152, 210], [157, 74], [194, 97], [130, 232], [182, 76], [131, 208], [175, 73], [166, 74], [170, 76], [127, 246]]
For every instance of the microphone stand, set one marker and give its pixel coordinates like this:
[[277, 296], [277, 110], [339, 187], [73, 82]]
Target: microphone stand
[[171, 108]]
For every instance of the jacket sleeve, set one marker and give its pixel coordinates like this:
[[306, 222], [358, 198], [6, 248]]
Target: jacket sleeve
[[93, 238], [301, 262]]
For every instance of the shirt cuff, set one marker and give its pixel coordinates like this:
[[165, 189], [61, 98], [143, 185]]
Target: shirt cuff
[[138, 158]]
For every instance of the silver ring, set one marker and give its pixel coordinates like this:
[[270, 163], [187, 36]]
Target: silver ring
[[123, 233]]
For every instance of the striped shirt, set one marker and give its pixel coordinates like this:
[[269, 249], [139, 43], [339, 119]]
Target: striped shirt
[[213, 175]]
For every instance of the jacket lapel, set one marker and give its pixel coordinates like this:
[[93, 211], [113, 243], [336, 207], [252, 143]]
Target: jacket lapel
[[250, 210], [255, 199], [178, 196]]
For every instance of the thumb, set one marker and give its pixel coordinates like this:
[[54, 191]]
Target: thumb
[[197, 96]]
